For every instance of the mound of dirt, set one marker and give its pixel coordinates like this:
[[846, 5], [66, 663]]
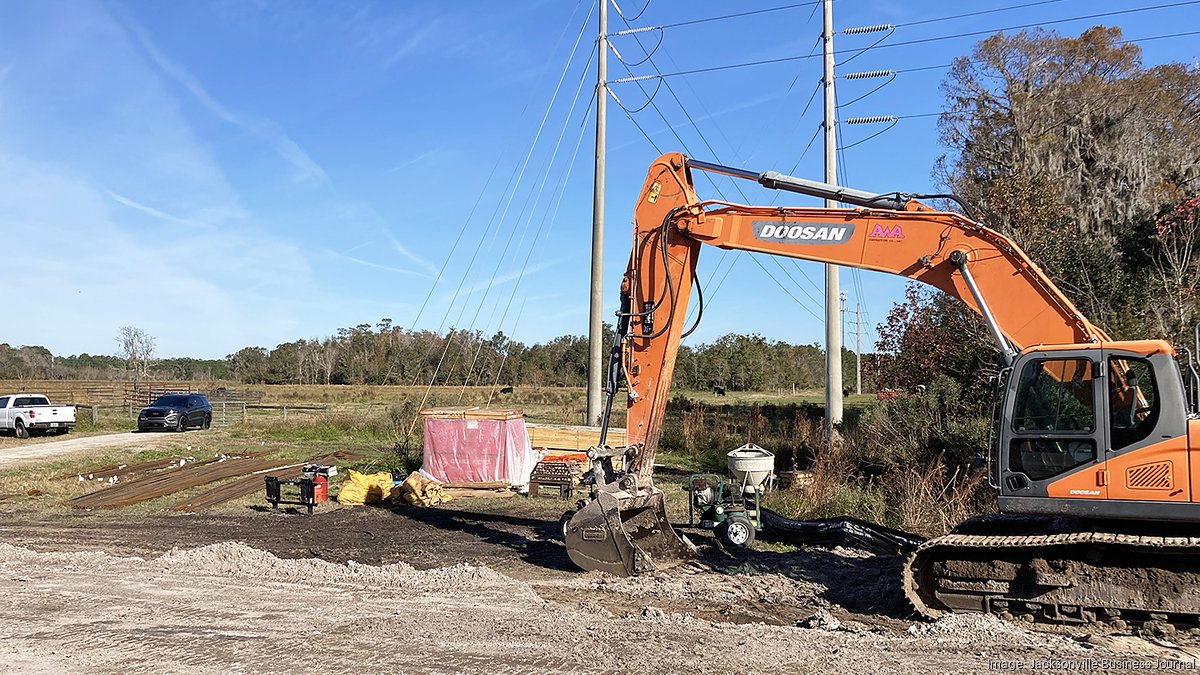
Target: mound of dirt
[[236, 559]]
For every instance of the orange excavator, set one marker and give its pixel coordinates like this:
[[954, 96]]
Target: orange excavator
[[1096, 443]]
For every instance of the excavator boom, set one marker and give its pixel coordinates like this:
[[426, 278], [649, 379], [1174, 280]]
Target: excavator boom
[[894, 234], [1092, 431]]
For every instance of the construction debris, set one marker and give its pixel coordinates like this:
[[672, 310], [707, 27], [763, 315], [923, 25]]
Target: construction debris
[[250, 484], [172, 481], [417, 490], [122, 471], [232, 490]]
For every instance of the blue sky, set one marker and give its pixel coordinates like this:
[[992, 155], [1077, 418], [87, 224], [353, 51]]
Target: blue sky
[[248, 172]]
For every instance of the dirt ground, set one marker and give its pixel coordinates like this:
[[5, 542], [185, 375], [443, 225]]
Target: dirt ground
[[477, 586]]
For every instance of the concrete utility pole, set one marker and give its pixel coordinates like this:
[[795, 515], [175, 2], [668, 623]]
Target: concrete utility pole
[[857, 341], [833, 331], [595, 318]]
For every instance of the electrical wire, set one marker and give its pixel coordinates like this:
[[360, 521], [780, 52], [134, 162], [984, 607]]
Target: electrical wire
[[622, 15], [788, 59], [517, 173], [528, 209], [694, 22], [979, 13]]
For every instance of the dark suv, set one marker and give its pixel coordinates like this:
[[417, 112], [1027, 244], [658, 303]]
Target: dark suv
[[176, 411]]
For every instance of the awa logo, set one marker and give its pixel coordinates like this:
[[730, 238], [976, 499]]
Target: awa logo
[[793, 232], [881, 231]]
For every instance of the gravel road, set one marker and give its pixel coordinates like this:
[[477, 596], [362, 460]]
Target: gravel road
[[15, 451]]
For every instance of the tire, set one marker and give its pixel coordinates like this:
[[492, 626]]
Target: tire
[[20, 431], [181, 425], [737, 531], [562, 523], [207, 421]]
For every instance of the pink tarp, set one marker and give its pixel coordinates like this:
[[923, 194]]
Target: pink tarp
[[477, 451]]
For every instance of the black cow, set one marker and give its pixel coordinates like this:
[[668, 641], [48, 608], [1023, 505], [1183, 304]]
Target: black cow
[[505, 390], [719, 391]]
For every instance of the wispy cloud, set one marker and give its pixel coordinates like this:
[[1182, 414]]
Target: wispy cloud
[[388, 268], [409, 45], [417, 159], [404, 251], [149, 210], [501, 279], [743, 105], [306, 170]]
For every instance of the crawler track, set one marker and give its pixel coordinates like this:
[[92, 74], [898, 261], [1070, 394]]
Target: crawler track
[[1058, 571]]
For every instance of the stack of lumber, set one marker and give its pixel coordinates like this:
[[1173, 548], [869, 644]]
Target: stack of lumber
[[488, 489], [460, 412], [564, 437]]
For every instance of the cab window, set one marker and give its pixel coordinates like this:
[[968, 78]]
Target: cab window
[[1055, 395], [1132, 401]]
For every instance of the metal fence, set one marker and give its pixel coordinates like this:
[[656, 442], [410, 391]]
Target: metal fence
[[224, 413]]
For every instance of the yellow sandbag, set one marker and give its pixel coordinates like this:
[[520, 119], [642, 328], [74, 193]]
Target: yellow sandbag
[[360, 488]]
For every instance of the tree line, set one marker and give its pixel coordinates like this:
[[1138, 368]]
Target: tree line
[[387, 354]]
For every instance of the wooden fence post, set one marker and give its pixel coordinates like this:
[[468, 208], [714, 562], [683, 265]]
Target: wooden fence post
[[93, 414], [243, 413]]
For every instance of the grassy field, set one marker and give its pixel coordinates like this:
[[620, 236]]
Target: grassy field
[[382, 424]]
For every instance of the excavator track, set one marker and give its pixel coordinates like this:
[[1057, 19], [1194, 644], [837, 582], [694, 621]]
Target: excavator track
[[1058, 571]]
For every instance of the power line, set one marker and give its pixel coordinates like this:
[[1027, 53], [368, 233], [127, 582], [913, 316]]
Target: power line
[[693, 22], [979, 13], [1039, 24], [683, 108], [788, 59], [737, 15]]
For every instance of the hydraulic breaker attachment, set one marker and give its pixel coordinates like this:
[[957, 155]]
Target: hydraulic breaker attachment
[[623, 528]]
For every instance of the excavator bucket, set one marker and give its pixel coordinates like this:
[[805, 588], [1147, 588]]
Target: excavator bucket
[[624, 533]]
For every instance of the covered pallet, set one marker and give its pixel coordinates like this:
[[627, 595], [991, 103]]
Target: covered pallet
[[477, 445]]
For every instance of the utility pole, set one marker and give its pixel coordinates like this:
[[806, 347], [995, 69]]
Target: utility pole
[[833, 331], [595, 320], [857, 341]]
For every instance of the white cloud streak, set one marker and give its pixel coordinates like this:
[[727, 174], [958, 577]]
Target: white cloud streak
[[403, 250], [306, 169], [368, 263], [148, 210]]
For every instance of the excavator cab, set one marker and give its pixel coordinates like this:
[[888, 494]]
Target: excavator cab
[[622, 528]]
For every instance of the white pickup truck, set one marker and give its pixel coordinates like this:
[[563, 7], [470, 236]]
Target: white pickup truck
[[25, 414]]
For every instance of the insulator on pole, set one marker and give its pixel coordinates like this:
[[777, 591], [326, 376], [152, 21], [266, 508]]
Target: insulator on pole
[[868, 73], [860, 30], [877, 119]]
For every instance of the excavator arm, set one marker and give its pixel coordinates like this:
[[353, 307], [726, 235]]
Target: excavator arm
[[885, 233], [623, 528]]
